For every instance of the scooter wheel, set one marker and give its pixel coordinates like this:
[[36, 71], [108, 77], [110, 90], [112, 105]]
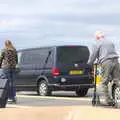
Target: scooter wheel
[[93, 102]]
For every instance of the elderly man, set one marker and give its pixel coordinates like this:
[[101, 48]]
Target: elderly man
[[107, 56]]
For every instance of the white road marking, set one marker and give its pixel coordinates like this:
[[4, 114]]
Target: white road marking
[[59, 98]]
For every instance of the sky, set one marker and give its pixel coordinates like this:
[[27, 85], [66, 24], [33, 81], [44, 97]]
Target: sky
[[31, 23]]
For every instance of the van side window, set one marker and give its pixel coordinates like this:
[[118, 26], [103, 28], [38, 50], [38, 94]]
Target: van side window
[[50, 60], [25, 58], [37, 56]]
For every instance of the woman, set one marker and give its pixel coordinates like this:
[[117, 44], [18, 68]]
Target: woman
[[9, 60]]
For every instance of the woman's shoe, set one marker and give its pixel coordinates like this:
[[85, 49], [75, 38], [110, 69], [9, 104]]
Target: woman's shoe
[[14, 100]]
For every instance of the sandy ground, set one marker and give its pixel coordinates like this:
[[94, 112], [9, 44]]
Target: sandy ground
[[59, 113]]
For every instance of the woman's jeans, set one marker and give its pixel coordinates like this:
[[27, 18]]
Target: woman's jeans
[[11, 74]]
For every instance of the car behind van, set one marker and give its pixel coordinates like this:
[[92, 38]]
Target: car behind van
[[54, 68]]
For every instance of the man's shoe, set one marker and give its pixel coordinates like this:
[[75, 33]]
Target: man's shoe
[[111, 103]]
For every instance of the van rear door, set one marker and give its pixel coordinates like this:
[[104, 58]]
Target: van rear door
[[72, 60]]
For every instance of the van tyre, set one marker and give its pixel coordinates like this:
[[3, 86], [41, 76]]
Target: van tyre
[[43, 89], [81, 92]]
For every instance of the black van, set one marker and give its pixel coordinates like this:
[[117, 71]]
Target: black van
[[48, 69]]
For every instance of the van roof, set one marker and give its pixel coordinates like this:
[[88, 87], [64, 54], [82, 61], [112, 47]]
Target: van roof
[[53, 46]]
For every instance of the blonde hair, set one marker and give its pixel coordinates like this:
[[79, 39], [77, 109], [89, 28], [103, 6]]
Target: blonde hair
[[9, 45]]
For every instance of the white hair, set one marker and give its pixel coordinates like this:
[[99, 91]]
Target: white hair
[[99, 34]]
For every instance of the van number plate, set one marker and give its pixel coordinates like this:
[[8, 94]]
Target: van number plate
[[76, 72]]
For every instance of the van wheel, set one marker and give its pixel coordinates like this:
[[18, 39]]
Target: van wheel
[[81, 92], [43, 89]]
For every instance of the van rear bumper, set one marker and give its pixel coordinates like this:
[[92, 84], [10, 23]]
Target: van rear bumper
[[70, 87], [72, 82]]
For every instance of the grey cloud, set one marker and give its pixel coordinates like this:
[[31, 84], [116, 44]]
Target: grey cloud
[[89, 19], [51, 21], [93, 4]]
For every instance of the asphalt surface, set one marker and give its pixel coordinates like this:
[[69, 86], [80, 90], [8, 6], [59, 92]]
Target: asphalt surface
[[50, 102], [61, 98]]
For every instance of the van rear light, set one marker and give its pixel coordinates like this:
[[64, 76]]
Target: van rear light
[[55, 72]]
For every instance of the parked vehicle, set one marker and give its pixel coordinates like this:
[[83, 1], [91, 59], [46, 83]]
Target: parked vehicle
[[48, 69]]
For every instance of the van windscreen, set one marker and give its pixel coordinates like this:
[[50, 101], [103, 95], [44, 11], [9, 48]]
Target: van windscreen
[[70, 54]]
